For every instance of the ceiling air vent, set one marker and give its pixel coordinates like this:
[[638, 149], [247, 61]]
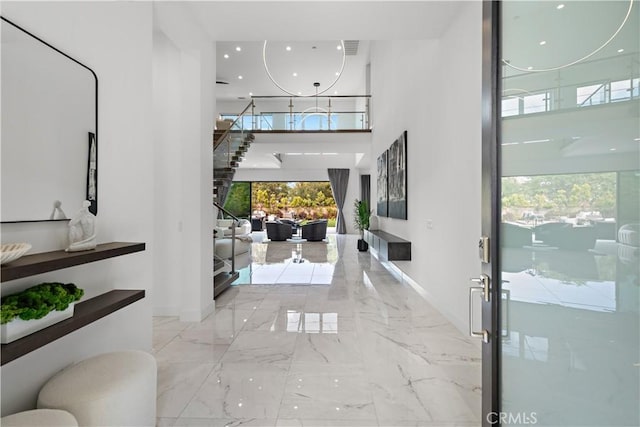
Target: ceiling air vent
[[351, 47]]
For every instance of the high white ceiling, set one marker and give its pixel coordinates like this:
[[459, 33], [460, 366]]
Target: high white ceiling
[[324, 20], [309, 65], [303, 25]]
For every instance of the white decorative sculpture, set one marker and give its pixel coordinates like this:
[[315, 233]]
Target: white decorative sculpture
[[82, 230], [57, 212]]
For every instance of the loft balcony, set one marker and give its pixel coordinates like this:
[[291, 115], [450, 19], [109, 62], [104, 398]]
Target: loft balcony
[[298, 114]]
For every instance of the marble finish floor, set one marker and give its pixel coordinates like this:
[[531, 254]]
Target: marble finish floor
[[364, 349]]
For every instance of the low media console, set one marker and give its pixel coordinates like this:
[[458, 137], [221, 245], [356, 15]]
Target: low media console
[[388, 246]]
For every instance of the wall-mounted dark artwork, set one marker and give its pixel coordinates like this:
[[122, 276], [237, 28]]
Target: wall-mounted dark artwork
[[382, 200], [397, 207], [92, 174]]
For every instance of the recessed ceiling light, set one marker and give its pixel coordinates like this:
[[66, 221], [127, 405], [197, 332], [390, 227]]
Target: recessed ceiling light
[[612, 149], [288, 48], [250, 93], [239, 77], [637, 139], [543, 42], [238, 48], [339, 47], [560, 6], [335, 92], [295, 74], [299, 93], [620, 50], [226, 56], [529, 68], [337, 73]]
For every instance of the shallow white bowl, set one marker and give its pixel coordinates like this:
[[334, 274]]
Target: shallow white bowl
[[12, 251]]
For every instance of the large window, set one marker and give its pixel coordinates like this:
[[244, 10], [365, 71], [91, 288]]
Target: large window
[[295, 200], [301, 200], [238, 200]]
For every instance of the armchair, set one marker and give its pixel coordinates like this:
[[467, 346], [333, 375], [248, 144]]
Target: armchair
[[278, 231], [315, 231]]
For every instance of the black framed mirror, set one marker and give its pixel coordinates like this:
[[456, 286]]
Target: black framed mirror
[[49, 152]]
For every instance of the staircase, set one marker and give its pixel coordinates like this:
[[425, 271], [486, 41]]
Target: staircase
[[222, 279], [229, 148]]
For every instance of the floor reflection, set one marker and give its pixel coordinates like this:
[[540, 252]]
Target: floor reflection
[[569, 321], [583, 280], [299, 263]]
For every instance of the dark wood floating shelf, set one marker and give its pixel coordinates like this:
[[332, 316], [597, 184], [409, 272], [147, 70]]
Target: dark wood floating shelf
[[30, 265], [388, 246], [85, 312]]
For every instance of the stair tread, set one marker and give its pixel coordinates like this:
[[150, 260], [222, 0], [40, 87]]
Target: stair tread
[[222, 281]]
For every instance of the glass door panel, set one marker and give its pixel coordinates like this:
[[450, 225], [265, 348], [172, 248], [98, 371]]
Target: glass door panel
[[570, 213]]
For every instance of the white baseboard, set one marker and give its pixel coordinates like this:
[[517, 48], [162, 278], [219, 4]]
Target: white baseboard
[[165, 311]]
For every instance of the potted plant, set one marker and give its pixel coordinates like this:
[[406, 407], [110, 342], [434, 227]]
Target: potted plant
[[361, 217], [36, 308]]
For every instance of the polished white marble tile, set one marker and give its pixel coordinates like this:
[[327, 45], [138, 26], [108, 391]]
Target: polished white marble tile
[[359, 349], [209, 422], [331, 392], [171, 323], [294, 278], [284, 422], [162, 337], [293, 301], [177, 384], [239, 391], [268, 320], [223, 325], [192, 346], [272, 348], [415, 390], [165, 422], [326, 346]]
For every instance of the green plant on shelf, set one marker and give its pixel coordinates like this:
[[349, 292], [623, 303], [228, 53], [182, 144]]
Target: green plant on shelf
[[362, 216], [38, 301]]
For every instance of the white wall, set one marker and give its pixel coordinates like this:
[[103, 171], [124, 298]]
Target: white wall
[[167, 89], [432, 89], [184, 104], [287, 175], [115, 40]]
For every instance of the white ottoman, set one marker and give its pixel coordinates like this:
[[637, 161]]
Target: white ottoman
[[111, 389], [40, 418]]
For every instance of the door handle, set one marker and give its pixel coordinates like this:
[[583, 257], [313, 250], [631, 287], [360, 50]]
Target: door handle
[[484, 280], [506, 332], [486, 285]]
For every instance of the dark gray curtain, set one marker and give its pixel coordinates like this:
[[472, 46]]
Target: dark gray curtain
[[365, 189], [339, 179], [223, 192]]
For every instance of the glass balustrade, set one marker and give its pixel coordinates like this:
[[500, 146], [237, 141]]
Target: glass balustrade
[[558, 90], [299, 114]]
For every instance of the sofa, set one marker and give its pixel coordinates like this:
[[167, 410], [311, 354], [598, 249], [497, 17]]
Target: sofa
[[224, 227], [315, 231], [279, 231]]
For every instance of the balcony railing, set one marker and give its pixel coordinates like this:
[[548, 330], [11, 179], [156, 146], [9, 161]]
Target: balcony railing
[[527, 93], [300, 114]]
